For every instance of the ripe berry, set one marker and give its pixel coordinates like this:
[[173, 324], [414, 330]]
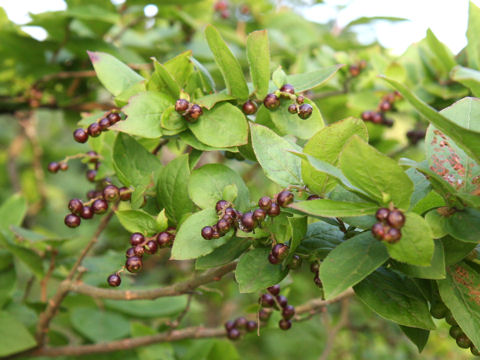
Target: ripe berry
[[284, 198], [249, 108], [53, 167], [313, 197], [63, 166], [388, 122], [231, 212], [315, 267], [207, 232], [287, 88], [271, 101], [99, 206], [164, 239], [240, 322], [114, 118], [136, 239], [111, 193], [130, 252], [377, 118], [318, 281], [233, 334], [91, 174], [385, 106], [92, 194], [300, 99], [267, 300], [265, 203], [114, 280], [80, 135], [259, 215], [378, 231], [274, 210], [134, 264], [282, 300], [75, 206], [455, 331], [396, 219], [463, 341], [216, 234], [296, 262], [285, 324], [474, 350], [438, 310], [86, 213], [139, 250], [72, 220], [392, 235], [194, 113], [220, 5], [229, 325], [354, 70], [367, 115], [181, 105], [251, 326], [264, 314], [450, 320], [288, 312], [225, 14], [94, 129], [248, 221], [280, 251], [223, 226], [125, 193], [305, 111], [104, 124], [220, 205], [151, 247], [274, 290], [382, 214], [273, 259], [292, 109]]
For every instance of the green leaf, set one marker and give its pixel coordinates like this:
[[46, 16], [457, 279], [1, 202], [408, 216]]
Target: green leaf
[[463, 225], [144, 114], [172, 121], [443, 53], [189, 243], [223, 349], [456, 250], [8, 282], [326, 145], [14, 336], [395, 298], [228, 64], [163, 351], [459, 291], [375, 173], [254, 272], [112, 73], [298, 230], [416, 246], [27, 256], [271, 150], [468, 140], [99, 325], [223, 254], [180, 67], [314, 79], [158, 308], [435, 271], [279, 77], [350, 262], [333, 208], [207, 185], [258, 55], [320, 239], [163, 81], [223, 126], [12, 211], [473, 45], [467, 77], [173, 188], [191, 140], [138, 221], [418, 336], [291, 124], [209, 101]]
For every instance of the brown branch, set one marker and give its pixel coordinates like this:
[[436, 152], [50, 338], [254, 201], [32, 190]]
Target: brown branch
[[180, 288], [335, 330], [44, 282]]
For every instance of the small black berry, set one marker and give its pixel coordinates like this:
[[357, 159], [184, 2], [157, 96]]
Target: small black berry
[[287, 88], [450, 319], [136, 239], [284, 198], [114, 118], [165, 239], [94, 129], [229, 325], [396, 219], [259, 215], [194, 113], [251, 326], [139, 250], [125, 193], [265, 203], [367, 115], [207, 232], [292, 109], [240, 323], [75, 206], [267, 300], [382, 214], [130, 252], [274, 290], [282, 300], [378, 231], [111, 193], [305, 111], [463, 341], [99, 206], [63, 166], [273, 259], [91, 174], [385, 106], [114, 280], [271, 101], [181, 105], [216, 234], [80, 135], [274, 210], [231, 212], [223, 226], [92, 194], [264, 314], [280, 251], [392, 235], [248, 221], [285, 324], [300, 99], [249, 108], [53, 167], [72, 220], [220, 205], [151, 247], [377, 118], [388, 122], [455, 331], [288, 312], [104, 124], [438, 310], [234, 334], [86, 213], [134, 264]]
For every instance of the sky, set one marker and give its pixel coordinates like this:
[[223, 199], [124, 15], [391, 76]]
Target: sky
[[447, 18]]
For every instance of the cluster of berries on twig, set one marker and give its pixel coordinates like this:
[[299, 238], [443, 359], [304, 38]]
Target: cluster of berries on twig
[[385, 105], [190, 112], [222, 8], [95, 129], [278, 253], [389, 225], [142, 245], [235, 328], [272, 300], [287, 91], [357, 68], [315, 268]]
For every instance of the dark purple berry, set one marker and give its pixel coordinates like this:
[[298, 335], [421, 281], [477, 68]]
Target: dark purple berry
[[63, 166], [231, 212], [378, 231], [463, 342], [251, 326], [396, 219], [75, 206], [267, 300], [265, 203], [284, 198], [229, 325], [392, 235], [223, 226], [367, 115], [259, 215], [139, 250], [86, 213], [99, 206], [80, 135], [234, 334], [92, 194], [91, 174], [220, 205], [134, 264], [114, 118], [273, 259], [94, 129], [288, 312], [282, 300], [136, 239], [385, 106], [382, 214], [216, 234], [274, 210], [292, 109], [181, 105], [264, 314], [151, 247], [377, 118], [240, 323], [104, 124], [455, 331], [111, 193], [207, 232], [228, 219], [271, 101], [194, 113], [130, 252], [285, 324], [114, 280], [305, 111], [248, 221], [274, 290], [72, 220], [165, 239], [280, 251], [125, 193], [53, 167], [287, 88], [300, 99], [249, 108]]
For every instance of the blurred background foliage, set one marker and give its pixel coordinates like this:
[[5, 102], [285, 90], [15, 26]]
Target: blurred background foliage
[[47, 86]]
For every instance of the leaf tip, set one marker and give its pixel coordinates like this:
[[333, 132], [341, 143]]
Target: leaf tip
[[94, 56]]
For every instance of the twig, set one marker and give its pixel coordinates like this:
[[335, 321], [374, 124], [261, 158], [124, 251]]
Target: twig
[[176, 323], [44, 282], [335, 330]]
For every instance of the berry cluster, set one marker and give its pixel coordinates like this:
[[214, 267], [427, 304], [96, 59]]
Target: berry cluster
[[190, 112], [414, 136], [54, 166], [222, 7], [385, 105], [273, 300], [278, 253], [388, 229], [95, 129], [315, 268], [440, 311], [299, 107], [235, 328], [142, 245], [356, 69]]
